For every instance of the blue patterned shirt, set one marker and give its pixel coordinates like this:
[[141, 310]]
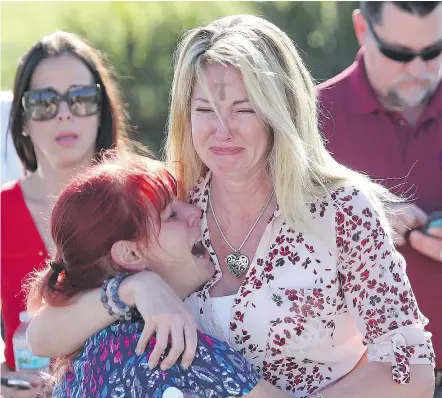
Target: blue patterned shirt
[[108, 367]]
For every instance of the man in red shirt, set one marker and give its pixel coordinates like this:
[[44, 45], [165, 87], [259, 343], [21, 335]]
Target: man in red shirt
[[383, 116]]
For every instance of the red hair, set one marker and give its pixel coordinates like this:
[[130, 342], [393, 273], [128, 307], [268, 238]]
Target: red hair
[[120, 198]]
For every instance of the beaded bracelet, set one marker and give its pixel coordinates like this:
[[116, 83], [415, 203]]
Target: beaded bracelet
[[109, 294], [111, 301]]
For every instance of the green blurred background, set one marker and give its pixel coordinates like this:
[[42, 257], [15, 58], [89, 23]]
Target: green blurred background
[[140, 37]]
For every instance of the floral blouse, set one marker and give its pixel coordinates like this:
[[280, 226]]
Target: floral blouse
[[308, 310]]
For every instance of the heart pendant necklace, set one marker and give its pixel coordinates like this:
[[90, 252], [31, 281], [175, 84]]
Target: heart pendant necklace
[[237, 263]]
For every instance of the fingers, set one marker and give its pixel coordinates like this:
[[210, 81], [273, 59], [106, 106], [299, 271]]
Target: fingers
[[32, 393], [405, 218], [177, 346], [436, 232], [400, 225], [162, 338], [398, 238], [429, 246], [184, 338], [191, 336], [11, 392], [8, 392], [34, 379], [419, 216], [146, 334]]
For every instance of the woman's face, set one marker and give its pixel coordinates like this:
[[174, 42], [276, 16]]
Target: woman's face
[[177, 253], [66, 140], [232, 142]]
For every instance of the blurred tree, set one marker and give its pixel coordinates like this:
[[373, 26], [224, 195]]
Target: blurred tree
[[322, 31], [142, 38], [140, 43]]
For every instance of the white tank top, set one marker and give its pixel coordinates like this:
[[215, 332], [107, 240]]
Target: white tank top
[[222, 306]]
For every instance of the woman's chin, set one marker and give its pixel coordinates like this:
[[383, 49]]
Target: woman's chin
[[205, 267]]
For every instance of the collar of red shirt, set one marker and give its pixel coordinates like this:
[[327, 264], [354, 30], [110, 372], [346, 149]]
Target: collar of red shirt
[[368, 101]]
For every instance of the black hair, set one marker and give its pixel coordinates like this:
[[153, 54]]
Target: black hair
[[372, 10]]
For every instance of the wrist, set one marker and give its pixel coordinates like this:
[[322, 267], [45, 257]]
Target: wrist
[[126, 292], [130, 285]]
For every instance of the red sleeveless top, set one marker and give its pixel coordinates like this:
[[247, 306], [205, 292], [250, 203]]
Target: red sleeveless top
[[22, 251]]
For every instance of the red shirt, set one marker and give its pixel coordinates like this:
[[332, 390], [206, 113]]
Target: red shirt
[[22, 251], [365, 136]]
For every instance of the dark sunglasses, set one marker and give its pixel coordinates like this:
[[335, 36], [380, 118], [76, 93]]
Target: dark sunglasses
[[404, 55], [44, 104]]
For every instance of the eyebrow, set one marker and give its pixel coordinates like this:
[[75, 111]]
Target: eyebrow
[[400, 46], [406, 48], [238, 102]]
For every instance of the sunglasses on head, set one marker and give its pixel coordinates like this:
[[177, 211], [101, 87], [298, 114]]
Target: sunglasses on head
[[44, 104], [404, 55]]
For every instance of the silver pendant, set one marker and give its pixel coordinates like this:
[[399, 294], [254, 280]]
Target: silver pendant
[[237, 263]]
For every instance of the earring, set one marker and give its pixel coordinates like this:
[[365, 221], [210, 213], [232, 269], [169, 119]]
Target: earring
[[24, 134]]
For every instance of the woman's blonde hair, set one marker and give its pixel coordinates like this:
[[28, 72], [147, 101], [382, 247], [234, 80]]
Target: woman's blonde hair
[[282, 92]]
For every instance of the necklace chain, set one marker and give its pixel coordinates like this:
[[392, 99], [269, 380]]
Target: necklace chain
[[251, 229]]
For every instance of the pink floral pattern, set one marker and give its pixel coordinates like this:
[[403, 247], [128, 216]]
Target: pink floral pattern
[[310, 306]]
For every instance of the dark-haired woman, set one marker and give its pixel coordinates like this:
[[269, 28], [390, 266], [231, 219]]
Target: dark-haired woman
[[66, 109]]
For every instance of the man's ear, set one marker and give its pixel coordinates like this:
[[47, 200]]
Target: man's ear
[[360, 26], [127, 255]]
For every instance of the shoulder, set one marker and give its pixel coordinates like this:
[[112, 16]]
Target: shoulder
[[10, 190], [358, 218], [11, 195], [199, 192], [333, 97], [334, 88], [351, 195], [349, 205]]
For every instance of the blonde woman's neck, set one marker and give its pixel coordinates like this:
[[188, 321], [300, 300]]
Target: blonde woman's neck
[[240, 199]]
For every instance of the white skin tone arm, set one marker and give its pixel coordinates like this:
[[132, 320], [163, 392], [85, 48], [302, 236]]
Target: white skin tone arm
[[59, 331], [374, 380], [265, 390], [367, 381]]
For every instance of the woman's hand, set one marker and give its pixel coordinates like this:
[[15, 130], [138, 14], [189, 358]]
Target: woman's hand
[[165, 314], [10, 392]]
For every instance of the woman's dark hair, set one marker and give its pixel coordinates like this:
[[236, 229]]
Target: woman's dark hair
[[113, 122]]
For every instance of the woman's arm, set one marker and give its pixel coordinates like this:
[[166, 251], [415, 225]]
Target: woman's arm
[[60, 331], [379, 297], [374, 380], [265, 390]]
